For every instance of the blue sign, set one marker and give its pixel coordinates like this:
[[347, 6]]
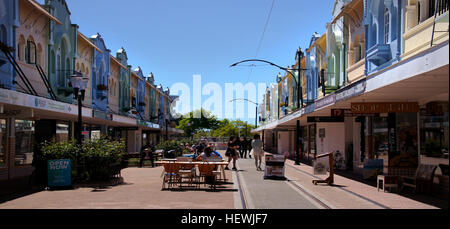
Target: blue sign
[[376, 164], [59, 173]]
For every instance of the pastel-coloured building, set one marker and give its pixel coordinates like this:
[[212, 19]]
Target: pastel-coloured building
[[84, 63], [382, 21], [100, 74], [62, 49], [336, 49], [32, 40], [419, 20], [124, 83], [114, 85]]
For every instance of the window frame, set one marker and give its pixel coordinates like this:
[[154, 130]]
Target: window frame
[[387, 24]]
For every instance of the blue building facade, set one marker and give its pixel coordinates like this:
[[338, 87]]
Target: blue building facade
[[382, 21], [100, 74], [312, 72], [9, 21]]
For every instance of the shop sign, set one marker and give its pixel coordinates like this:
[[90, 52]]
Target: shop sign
[[322, 133], [147, 124], [59, 173], [341, 113], [376, 108], [325, 119], [46, 104], [329, 100], [353, 91], [101, 115]]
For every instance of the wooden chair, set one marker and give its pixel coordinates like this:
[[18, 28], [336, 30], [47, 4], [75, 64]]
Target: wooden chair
[[207, 170], [217, 169], [423, 179], [187, 171], [171, 174]]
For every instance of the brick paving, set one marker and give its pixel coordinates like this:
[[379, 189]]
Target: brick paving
[[141, 190]]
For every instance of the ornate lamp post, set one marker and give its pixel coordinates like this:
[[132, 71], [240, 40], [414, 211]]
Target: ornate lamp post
[[79, 84]]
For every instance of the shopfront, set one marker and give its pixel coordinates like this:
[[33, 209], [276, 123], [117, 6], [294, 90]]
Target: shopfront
[[434, 133], [389, 132]]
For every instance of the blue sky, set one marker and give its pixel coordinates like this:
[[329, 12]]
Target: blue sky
[[176, 39]]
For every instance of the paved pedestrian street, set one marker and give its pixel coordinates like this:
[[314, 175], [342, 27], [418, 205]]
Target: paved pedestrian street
[[246, 189]]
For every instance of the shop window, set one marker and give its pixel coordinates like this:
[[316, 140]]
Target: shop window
[[434, 133], [3, 142], [24, 133]]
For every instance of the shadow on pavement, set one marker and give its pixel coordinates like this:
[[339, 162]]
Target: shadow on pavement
[[408, 193], [17, 195]]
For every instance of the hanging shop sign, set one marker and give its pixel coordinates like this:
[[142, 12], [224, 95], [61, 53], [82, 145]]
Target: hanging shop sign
[[341, 113], [325, 119], [59, 173], [327, 101], [352, 91], [376, 108]]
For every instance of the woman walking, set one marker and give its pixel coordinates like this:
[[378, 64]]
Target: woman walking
[[258, 152], [232, 152]]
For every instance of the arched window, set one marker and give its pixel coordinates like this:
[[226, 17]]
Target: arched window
[[30, 51], [386, 26]]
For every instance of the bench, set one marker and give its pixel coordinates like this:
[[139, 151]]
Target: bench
[[422, 181], [392, 178]]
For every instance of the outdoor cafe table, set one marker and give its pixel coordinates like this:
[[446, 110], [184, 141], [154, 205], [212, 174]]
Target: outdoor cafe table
[[221, 164]]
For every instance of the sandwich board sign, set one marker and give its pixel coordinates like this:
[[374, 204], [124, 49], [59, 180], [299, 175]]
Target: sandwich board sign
[[59, 173]]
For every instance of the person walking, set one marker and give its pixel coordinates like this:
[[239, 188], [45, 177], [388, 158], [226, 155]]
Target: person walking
[[244, 146], [232, 152], [258, 152], [249, 147]]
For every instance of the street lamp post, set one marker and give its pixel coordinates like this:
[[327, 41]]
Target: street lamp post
[[79, 84], [299, 55], [256, 114]]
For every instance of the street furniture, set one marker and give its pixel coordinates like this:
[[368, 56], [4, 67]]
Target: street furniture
[[423, 179], [330, 179], [171, 174]]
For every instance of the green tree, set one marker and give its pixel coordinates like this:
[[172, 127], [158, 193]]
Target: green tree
[[197, 121]]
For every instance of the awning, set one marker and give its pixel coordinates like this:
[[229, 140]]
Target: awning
[[42, 10], [89, 42]]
